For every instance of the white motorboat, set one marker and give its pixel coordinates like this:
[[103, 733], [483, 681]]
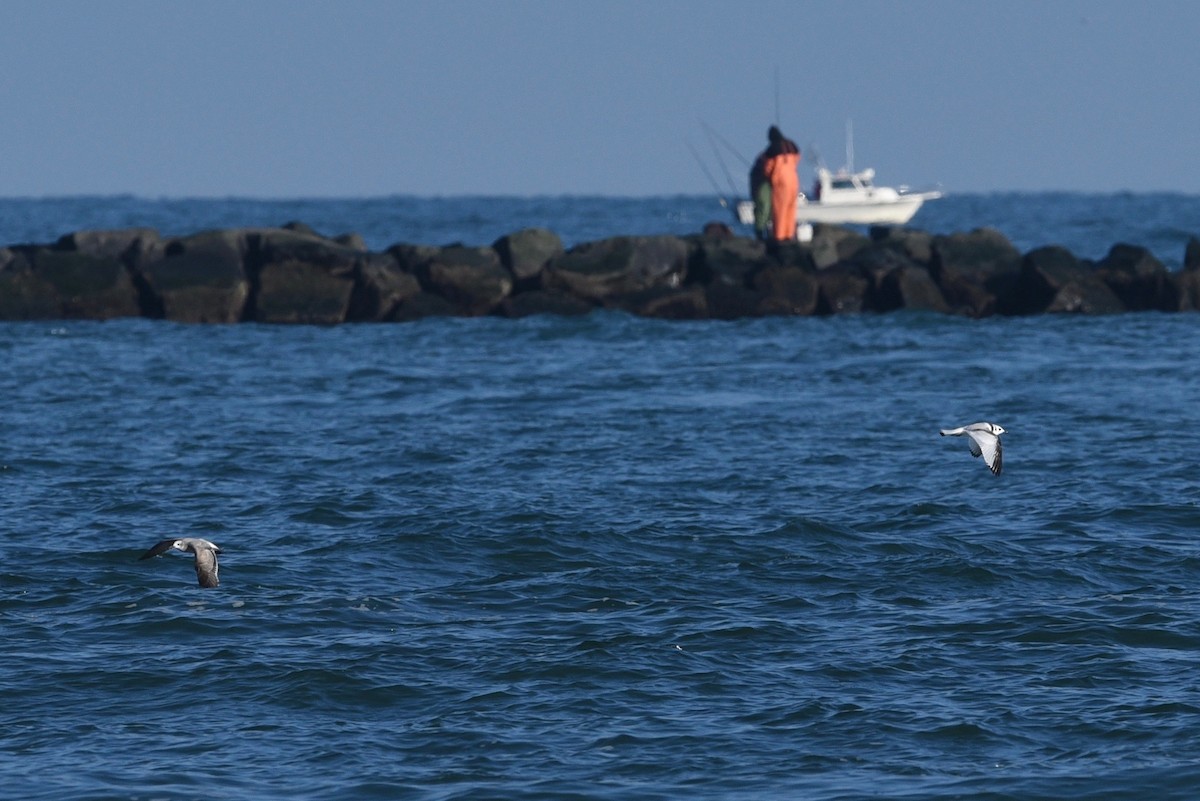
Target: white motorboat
[[848, 197]]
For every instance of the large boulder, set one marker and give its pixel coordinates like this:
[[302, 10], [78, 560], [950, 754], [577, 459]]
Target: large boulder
[[122, 244], [609, 268], [1191, 255], [538, 301], [197, 279], [472, 279], [527, 252], [978, 272], [915, 244], [684, 303], [381, 287], [911, 287], [875, 263], [46, 283], [786, 291], [24, 295], [732, 301], [1054, 281], [833, 243], [727, 262], [423, 305], [302, 277], [842, 289], [1139, 279]]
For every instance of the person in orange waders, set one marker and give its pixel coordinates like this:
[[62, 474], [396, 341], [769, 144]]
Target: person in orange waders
[[783, 171]]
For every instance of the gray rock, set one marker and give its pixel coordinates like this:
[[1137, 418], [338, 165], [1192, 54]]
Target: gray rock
[[43, 283], [911, 287], [732, 301], [473, 279], [833, 243], [117, 244], [302, 277], [1191, 255], [685, 303], [198, 279], [914, 244], [1054, 280], [842, 289], [1139, 279], [536, 301], [609, 268], [423, 305], [729, 262], [978, 272], [381, 287], [786, 291], [527, 252]]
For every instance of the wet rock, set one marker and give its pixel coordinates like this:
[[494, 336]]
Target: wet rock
[[1191, 256], [911, 287], [423, 305], [842, 289], [834, 243], [302, 278], [118, 245], [537, 301], [914, 244], [978, 272], [609, 268], [727, 262], [197, 279], [732, 301], [527, 252], [381, 288], [687, 303], [1139, 279], [717, 230], [352, 241], [24, 295], [1054, 281], [45, 283], [786, 291], [473, 279]]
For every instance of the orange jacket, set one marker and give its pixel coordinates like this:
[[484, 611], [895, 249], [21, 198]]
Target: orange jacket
[[782, 172]]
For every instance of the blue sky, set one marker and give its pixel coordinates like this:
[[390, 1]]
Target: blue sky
[[298, 98]]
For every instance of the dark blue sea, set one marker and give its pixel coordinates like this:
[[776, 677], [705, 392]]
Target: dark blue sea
[[602, 557]]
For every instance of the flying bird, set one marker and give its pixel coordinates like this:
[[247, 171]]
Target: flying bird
[[206, 556], [984, 440]]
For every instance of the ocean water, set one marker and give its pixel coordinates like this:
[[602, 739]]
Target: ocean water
[[602, 557]]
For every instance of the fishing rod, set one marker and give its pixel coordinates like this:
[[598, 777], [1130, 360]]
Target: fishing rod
[[716, 187], [721, 161], [712, 134]]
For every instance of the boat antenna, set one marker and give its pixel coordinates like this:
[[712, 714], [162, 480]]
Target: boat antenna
[[776, 94], [849, 145]]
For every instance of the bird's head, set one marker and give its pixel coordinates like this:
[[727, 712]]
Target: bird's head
[[997, 429]]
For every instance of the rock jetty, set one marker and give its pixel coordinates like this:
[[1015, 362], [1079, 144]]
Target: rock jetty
[[292, 274]]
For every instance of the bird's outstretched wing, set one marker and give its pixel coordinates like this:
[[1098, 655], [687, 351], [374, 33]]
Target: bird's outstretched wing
[[206, 567], [987, 445], [161, 547]]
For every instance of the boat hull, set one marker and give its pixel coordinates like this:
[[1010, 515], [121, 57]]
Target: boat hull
[[897, 211]]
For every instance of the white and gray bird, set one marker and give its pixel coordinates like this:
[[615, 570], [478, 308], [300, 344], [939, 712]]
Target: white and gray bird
[[984, 440], [206, 556]]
